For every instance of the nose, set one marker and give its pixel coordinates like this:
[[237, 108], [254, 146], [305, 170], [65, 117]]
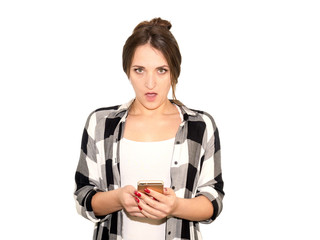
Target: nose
[[150, 81]]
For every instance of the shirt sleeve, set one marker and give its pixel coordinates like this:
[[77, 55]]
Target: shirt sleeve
[[87, 177], [210, 182]]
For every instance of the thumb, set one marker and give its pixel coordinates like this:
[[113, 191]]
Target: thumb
[[168, 191]]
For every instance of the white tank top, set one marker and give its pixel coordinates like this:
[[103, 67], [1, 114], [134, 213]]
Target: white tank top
[[144, 161]]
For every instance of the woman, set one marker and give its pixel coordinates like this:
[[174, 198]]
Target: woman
[[150, 138]]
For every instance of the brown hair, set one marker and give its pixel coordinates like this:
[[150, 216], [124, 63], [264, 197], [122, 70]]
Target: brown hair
[[157, 33]]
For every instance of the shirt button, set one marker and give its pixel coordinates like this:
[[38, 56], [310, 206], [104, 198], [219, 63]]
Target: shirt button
[[178, 142], [169, 233], [175, 162], [173, 187]]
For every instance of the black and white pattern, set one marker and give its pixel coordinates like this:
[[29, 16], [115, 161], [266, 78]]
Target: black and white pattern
[[195, 168]]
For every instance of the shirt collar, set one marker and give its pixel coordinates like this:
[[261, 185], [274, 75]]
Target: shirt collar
[[186, 112]]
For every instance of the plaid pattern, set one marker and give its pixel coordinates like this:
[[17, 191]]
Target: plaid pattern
[[195, 168]]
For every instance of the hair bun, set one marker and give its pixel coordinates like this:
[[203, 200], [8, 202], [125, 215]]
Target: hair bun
[[154, 22], [161, 22]]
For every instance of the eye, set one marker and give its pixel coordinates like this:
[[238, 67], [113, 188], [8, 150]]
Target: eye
[[162, 70], [138, 70]]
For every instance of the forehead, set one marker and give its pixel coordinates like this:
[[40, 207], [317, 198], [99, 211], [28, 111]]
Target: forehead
[[147, 56]]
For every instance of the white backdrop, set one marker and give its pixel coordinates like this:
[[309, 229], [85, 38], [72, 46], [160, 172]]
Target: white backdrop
[[254, 65]]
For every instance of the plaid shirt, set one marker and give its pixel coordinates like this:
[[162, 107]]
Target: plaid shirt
[[195, 168]]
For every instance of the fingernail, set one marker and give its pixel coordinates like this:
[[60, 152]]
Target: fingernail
[[165, 189], [139, 207], [137, 199], [147, 190], [137, 193]]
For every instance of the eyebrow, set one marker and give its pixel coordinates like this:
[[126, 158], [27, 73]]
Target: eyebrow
[[138, 66], [163, 66]]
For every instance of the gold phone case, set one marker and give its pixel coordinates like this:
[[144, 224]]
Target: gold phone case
[[156, 185]]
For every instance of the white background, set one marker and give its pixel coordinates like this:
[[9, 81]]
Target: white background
[[254, 65]]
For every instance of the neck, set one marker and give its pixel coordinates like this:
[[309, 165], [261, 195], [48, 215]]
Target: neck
[[139, 109]]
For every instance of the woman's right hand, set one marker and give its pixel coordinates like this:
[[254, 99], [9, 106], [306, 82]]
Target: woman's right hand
[[129, 201], [104, 203]]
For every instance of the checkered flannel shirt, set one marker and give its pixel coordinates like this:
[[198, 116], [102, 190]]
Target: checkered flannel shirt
[[195, 168]]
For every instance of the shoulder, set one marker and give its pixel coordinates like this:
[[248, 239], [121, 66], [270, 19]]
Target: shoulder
[[202, 117], [101, 113], [97, 118], [203, 124], [108, 112]]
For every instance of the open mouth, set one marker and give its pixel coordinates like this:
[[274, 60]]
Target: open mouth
[[151, 96]]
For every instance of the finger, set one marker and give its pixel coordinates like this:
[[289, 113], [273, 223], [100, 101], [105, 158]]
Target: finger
[[158, 196], [150, 212], [168, 191], [140, 215], [161, 206], [136, 193], [157, 209], [135, 211], [148, 200], [129, 189], [151, 201]]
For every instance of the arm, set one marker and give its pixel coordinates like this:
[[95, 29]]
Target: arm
[[93, 201], [193, 209], [104, 203], [210, 183], [167, 204], [87, 177]]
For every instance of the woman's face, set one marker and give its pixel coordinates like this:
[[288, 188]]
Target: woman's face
[[150, 77]]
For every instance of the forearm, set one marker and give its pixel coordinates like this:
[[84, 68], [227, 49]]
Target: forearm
[[104, 203], [194, 209]]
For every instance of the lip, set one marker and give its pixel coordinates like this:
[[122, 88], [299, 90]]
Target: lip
[[151, 96]]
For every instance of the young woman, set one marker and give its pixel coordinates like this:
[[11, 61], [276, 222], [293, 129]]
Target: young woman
[[150, 138]]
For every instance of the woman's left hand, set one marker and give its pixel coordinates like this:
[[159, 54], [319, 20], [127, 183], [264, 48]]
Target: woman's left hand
[[156, 205]]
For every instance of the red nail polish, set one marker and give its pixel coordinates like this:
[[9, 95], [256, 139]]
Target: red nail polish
[[137, 199], [147, 190], [139, 207], [137, 193]]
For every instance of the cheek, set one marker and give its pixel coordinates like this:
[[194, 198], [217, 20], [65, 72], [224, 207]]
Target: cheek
[[168, 83], [136, 84]]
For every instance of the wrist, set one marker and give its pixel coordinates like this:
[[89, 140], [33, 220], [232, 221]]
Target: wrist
[[118, 196], [177, 207]]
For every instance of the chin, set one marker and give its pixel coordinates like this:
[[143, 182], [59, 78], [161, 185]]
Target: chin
[[151, 105]]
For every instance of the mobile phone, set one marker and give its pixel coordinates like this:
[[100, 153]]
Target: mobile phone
[[156, 185]]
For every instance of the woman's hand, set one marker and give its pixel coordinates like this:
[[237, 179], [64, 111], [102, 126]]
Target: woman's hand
[[129, 201], [156, 205]]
